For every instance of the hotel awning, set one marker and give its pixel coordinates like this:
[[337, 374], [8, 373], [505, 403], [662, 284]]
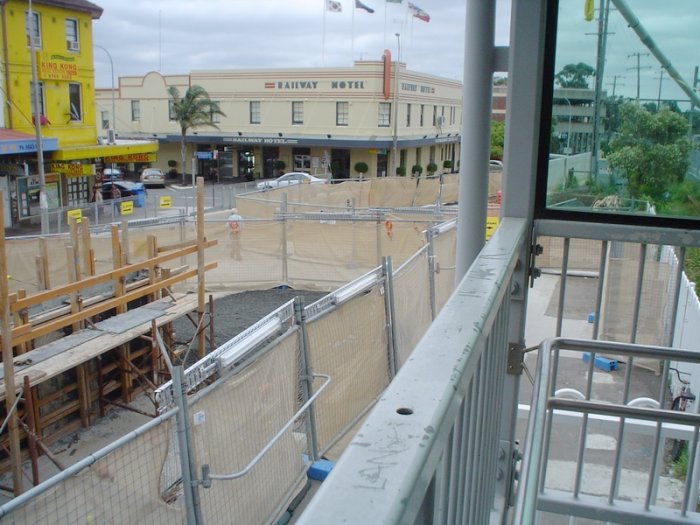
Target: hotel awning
[[121, 148], [16, 143]]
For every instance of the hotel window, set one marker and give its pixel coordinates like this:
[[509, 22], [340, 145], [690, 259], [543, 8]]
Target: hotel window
[[104, 117], [72, 43], [40, 90], [171, 110], [76, 105], [255, 112], [36, 29], [342, 113], [408, 115], [422, 114], [434, 115], [297, 112], [135, 110], [384, 114], [215, 117]]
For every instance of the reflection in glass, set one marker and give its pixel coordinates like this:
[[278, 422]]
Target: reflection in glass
[[626, 87]]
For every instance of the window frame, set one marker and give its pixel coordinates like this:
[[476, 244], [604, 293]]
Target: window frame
[[171, 110], [255, 112], [342, 113], [135, 110], [74, 39], [408, 115], [78, 115], [42, 105], [384, 115], [297, 113], [214, 117], [38, 40]]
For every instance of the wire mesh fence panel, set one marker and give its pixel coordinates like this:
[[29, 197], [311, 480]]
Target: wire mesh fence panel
[[427, 191], [445, 251], [584, 254], [411, 305], [123, 487], [234, 421], [350, 345], [450, 188], [394, 192]]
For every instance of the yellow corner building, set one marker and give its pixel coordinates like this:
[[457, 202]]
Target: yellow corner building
[[61, 37]]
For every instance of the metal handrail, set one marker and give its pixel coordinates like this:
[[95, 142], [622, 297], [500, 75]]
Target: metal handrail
[[207, 476], [535, 447]]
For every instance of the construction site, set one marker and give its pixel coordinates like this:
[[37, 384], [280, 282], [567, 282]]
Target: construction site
[[88, 315]]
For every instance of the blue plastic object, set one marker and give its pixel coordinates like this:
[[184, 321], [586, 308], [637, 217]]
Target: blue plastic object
[[591, 317], [320, 469], [604, 363]]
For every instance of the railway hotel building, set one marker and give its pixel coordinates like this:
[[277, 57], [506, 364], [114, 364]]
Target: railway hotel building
[[318, 120]]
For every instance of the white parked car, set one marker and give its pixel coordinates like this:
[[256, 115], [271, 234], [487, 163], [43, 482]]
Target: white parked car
[[293, 177], [153, 177]]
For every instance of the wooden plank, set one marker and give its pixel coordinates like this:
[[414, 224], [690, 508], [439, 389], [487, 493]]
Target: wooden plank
[[44, 254], [18, 318], [9, 367], [103, 277], [45, 370], [200, 267], [29, 332], [88, 253]]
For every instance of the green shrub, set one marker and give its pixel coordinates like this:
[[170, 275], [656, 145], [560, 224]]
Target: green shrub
[[401, 171], [447, 164], [361, 167], [279, 164], [416, 170], [432, 168]]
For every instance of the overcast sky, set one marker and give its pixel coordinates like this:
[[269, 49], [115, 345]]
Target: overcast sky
[[177, 36], [674, 25]]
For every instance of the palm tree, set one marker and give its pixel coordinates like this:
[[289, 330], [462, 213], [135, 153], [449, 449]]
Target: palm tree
[[194, 110]]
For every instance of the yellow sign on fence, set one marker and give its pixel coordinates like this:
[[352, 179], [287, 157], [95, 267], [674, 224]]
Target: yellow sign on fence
[[491, 225], [166, 201], [77, 214], [126, 208]]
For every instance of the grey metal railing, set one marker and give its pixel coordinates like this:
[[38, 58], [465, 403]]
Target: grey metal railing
[[429, 451], [535, 496]]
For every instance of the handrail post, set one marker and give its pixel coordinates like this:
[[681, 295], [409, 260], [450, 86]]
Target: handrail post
[[192, 508], [430, 237], [306, 377], [390, 314]]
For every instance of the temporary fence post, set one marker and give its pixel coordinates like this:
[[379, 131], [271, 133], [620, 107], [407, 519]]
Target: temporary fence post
[[306, 378], [430, 237], [380, 217], [390, 313], [186, 461], [285, 267]]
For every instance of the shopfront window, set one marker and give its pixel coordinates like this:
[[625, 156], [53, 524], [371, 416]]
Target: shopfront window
[[623, 110]]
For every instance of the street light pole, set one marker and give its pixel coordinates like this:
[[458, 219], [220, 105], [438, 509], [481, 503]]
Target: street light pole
[[396, 101], [43, 201], [111, 65]]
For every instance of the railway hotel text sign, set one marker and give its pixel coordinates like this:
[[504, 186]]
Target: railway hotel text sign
[[314, 84]]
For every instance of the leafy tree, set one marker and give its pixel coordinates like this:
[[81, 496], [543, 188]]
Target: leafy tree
[[500, 81], [574, 75], [497, 133], [432, 168], [194, 110], [650, 150]]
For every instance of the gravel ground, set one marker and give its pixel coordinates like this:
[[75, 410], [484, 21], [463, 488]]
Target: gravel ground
[[236, 312]]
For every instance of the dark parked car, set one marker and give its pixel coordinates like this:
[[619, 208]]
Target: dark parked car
[[126, 189]]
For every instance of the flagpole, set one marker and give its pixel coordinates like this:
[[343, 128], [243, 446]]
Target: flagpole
[[352, 36], [323, 37]]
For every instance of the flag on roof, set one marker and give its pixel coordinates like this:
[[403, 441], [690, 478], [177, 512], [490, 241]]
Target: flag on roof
[[334, 6], [418, 12], [360, 5]]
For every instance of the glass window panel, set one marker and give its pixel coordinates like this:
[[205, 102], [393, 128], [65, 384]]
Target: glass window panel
[[384, 114], [625, 118], [255, 112]]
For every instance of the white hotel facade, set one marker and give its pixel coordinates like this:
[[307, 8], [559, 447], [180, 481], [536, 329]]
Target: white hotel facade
[[315, 120]]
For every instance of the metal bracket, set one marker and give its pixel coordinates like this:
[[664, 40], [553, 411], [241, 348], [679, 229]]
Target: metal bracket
[[516, 354], [534, 272]]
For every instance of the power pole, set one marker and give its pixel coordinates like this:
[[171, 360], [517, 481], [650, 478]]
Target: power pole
[[614, 83], [638, 68], [600, 67], [661, 81]]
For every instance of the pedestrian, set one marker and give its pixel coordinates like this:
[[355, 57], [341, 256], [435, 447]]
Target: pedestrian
[[235, 223], [116, 195]]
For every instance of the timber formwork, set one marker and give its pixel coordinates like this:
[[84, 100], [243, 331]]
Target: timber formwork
[[97, 346]]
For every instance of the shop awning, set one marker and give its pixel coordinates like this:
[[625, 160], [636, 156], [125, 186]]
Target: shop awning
[[122, 147], [15, 143]]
